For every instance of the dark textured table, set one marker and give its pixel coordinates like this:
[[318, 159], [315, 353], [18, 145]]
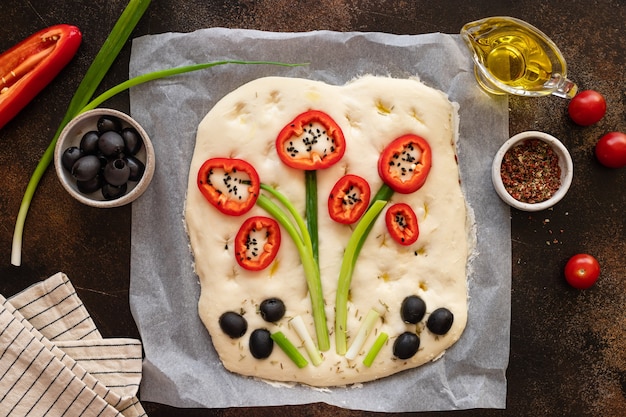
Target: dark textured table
[[568, 348]]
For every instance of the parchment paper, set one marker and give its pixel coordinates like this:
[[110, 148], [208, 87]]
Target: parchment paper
[[181, 367]]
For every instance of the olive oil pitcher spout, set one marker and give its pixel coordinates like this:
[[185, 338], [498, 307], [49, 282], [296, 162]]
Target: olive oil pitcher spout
[[513, 57]]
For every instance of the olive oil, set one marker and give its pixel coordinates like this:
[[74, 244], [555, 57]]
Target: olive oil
[[512, 56]]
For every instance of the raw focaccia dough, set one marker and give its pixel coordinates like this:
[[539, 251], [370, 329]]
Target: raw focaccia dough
[[371, 111]]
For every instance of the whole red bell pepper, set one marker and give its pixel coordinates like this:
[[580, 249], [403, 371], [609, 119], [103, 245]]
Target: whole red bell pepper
[[26, 68]]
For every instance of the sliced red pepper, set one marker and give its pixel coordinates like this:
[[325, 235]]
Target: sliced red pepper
[[402, 224], [313, 140], [26, 68], [257, 243], [231, 185], [404, 164], [348, 199]]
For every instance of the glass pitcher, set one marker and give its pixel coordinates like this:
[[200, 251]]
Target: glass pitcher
[[512, 56]]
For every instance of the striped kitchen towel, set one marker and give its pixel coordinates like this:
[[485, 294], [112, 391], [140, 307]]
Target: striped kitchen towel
[[54, 362]]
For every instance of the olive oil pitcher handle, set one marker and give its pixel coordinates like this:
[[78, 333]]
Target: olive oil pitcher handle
[[562, 86]]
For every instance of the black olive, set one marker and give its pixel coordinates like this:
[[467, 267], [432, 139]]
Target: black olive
[[233, 324], [406, 345], [440, 321], [87, 187], [109, 123], [111, 144], [70, 156], [132, 140], [86, 168], [413, 309], [272, 309], [116, 172], [89, 142], [111, 192], [261, 344], [137, 168]]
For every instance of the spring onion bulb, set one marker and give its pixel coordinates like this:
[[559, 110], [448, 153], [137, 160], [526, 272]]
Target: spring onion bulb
[[298, 325], [364, 331]]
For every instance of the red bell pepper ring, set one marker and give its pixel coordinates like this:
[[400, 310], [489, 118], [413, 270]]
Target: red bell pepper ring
[[26, 68], [405, 163], [402, 224], [313, 140], [231, 185], [257, 243], [348, 199]]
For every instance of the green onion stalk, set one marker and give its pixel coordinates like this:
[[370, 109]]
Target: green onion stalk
[[301, 238], [289, 348], [353, 248], [80, 101], [96, 72], [310, 185]]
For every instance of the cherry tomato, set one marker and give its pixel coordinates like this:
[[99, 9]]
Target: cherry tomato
[[582, 271], [611, 150], [587, 108]]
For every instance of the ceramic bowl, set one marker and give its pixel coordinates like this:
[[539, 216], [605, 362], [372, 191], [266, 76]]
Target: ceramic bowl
[[71, 136], [565, 163]]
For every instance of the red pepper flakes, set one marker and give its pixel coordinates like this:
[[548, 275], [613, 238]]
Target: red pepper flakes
[[530, 171]]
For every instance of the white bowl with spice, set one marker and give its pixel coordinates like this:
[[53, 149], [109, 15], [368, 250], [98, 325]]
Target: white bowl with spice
[[104, 158], [532, 171]]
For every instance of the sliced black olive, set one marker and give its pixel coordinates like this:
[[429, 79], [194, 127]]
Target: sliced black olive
[[413, 309], [111, 144], [89, 142], [233, 324], [440, 321], [109, 123], [261, 344], [272, 309], [406, 345], [86, 168]]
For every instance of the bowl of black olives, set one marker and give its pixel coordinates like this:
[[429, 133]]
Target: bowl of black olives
[[104, 158]]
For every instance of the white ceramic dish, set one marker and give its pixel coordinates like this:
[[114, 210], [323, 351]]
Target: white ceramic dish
[[71, 136], [565, 163]]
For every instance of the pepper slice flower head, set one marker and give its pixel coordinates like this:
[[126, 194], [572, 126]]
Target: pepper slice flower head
[[349, 199], [313, 140], [402, 224], [257, 243], [231, 185], [405, 163]]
